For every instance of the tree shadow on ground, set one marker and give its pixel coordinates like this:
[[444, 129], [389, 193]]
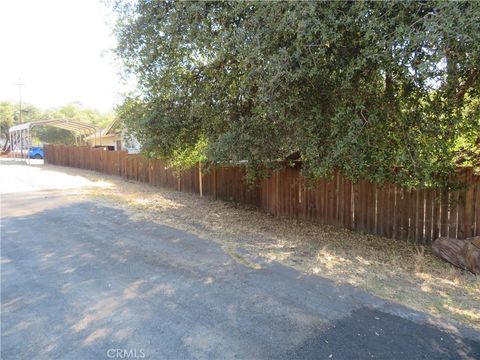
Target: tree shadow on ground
[[80, 279]]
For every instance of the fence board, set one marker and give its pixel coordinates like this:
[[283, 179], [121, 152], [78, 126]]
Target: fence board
[[467, 230], [419, 216], [476, 206], [428, 215], [452, 214], [444, 208]]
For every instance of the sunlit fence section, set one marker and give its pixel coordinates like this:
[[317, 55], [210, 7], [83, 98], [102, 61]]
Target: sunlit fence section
[[417, 215]]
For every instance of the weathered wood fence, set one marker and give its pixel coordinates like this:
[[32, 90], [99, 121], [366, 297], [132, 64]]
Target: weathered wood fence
[[417, 215]]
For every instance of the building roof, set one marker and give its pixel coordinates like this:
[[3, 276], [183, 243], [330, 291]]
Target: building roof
[[110, 129], [106, 132]]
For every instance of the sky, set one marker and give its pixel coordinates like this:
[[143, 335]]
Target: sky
[[61, 50]]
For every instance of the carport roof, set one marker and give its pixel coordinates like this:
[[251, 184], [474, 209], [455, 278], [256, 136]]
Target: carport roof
[[71, 125]]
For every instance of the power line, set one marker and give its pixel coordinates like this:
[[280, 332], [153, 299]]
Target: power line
[[20, 84]]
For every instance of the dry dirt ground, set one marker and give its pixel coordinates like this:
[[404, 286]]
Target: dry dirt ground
[[391, 269], [90, 261]]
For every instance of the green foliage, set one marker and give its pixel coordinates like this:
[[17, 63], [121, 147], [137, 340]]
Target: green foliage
[[9, 115], [74, 111], [382, 91], [70, 111], [53, 135]]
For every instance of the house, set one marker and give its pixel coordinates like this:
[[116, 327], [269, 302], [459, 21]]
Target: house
[[114, 137]]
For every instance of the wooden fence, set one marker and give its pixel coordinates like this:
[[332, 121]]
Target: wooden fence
[[417, 215]]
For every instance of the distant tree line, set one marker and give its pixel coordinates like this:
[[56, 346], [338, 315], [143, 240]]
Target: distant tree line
[[383, 91], [10, 115]]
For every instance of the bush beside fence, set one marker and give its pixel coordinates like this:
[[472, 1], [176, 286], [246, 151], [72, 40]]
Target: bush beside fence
[[417, 215]]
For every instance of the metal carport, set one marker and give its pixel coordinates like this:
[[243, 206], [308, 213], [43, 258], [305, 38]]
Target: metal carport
[[20, 134]]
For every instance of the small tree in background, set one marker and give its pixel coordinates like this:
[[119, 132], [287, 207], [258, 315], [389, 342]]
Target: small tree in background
[[48, 134]]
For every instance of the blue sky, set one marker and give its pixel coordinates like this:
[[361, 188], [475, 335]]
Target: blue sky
[[60, 49]]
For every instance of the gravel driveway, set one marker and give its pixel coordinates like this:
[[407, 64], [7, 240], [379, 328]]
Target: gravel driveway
[[82, 280]]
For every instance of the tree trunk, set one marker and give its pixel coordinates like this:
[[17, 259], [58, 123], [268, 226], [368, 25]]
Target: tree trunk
[[6, 146], [464, 254]]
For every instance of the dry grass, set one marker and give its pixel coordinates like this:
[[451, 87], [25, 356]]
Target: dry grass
[[391, 269]]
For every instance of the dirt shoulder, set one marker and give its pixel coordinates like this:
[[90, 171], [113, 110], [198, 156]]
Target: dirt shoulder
[[390, 269]]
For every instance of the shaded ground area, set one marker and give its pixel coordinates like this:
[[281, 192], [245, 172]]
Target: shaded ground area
[[80, 278], [391, 269]]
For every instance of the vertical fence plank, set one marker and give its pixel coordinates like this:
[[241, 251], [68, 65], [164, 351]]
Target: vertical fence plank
[[322, 195], [348, 204], [452, 214], [436, 197], [420, 216], [428, 215], [356, 206], [444, 208], [371, 207], [413, 203], [476, 198], [403, 210], [340, 221], [384, 212], [331, 201], [467, 230], [381, 210]]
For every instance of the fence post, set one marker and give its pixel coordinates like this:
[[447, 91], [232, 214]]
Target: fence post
[[466, 206], [200, 181]]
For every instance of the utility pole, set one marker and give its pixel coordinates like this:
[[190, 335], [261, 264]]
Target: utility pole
[[20, 84]]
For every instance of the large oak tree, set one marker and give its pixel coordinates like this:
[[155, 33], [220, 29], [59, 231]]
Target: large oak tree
[[383, 91]]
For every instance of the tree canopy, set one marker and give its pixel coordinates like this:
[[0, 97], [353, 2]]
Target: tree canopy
[[383, 91]]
